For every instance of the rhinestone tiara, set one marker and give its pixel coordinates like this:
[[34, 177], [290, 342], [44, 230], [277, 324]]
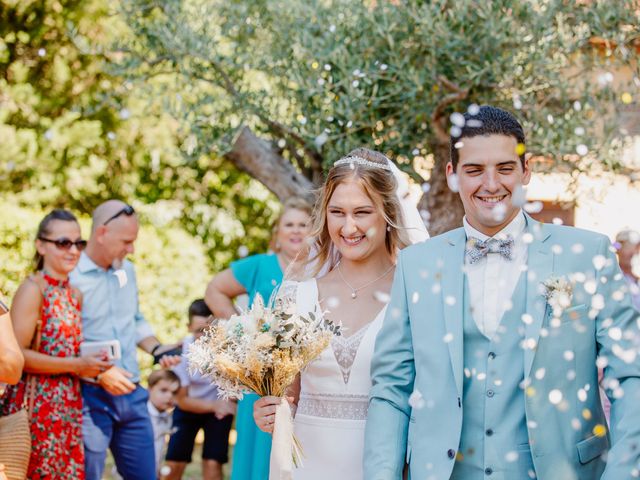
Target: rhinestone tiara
[[362, 161]]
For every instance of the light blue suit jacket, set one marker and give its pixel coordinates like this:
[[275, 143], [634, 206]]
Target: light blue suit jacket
[[420, 349]]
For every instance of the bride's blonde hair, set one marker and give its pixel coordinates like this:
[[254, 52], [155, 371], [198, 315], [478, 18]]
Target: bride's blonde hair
[[380, 186]]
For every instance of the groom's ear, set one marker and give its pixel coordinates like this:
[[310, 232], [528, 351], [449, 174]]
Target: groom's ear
[[449, 170]]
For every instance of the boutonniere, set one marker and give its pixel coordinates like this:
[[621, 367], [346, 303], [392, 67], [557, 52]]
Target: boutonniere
[[559, 292]]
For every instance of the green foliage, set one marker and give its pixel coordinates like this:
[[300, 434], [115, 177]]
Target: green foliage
[[73, 135], [342, 73]]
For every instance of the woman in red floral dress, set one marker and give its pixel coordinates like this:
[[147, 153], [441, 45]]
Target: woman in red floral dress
[[46, 313]]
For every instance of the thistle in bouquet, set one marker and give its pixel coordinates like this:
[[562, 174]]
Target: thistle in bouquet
[[261, 350]]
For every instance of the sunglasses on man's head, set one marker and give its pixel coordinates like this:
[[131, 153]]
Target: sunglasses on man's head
[[65, 243], [126, 210]]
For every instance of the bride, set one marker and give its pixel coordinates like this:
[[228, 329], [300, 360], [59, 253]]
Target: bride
[[359, 227]]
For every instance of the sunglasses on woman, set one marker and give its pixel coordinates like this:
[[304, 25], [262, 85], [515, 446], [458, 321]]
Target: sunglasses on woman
[[65, 243]]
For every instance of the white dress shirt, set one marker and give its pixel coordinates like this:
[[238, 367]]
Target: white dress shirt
[[493, 279]]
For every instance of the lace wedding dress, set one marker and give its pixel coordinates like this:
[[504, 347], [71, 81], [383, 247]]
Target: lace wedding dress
[[334, 391]]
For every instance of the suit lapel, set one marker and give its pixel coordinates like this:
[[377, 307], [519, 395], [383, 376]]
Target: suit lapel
[[540, 268], [453, 300]]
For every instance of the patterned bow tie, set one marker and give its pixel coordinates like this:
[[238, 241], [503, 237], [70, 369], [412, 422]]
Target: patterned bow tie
[[478, 249]]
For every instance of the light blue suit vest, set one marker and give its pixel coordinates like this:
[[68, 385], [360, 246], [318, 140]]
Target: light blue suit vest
[[494, 442]]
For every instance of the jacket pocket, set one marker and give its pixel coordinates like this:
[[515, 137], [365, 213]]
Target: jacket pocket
[[591, 448], [573, 313]]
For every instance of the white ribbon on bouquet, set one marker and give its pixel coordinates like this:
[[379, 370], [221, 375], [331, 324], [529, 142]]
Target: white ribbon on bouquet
[[284, 447]]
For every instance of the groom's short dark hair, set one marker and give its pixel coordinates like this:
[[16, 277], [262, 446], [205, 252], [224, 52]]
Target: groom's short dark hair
[[487, 120]]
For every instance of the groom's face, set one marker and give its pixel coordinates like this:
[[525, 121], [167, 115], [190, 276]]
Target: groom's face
[[488, 173]]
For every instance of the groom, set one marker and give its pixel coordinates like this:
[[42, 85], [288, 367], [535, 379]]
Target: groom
[[486, 366]]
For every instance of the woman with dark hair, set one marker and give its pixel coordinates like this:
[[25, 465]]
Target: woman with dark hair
[[260, 274], [46, 320]]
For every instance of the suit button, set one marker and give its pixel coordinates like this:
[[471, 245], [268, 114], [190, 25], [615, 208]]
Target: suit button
[[489, 432], [451, 453], [490, 393], [488, 471], [492, 355]]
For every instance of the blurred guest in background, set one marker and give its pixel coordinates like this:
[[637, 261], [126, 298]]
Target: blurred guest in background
[[46, 320], [115, 405], [163, 387], [198, 408], [260, 274]]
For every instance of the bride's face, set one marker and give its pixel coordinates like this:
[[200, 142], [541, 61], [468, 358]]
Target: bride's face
[[356, 226]]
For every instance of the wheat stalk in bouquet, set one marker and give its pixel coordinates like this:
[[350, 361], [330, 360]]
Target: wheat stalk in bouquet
[[261, 350]]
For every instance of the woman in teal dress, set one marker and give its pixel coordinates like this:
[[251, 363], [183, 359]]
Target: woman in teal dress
[[252, 275]]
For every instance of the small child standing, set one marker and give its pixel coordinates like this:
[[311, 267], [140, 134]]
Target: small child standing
[[163, 388], [198, 407]]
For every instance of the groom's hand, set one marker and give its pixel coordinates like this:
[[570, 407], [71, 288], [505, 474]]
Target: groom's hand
[[264, 412]]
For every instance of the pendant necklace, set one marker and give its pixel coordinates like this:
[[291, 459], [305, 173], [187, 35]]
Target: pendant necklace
[[354, 291]]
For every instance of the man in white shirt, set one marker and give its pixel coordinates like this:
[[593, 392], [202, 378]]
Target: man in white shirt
[[486, 365]]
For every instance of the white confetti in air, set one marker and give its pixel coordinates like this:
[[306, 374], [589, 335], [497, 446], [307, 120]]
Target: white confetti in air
[[568, 355], [332, 28], [453, 182], [519, 196], [436, 288], [121, 275], [555, 396], [550, 119], [499, 212], [450, 300], [458, 145], [533, 207], [165, 470], [473, 109], [577, 106], [511, 456], [416, 400], [615, 333], [527, 319], [557, 221], [579, 131], [384, 66], [602, 362], [597, 302], [456, 131], [540, 373], [627, 356], [527, 238], [590, 286], [517, 103], [575, 424], [618, 295], [481, 376], [582, 149], [457, 119], [577, 248], [571, 375], [382, 297], [355, 83], [320, 140], [282, 143], [582, 395], [415, 297], [426, 187], [327, 67], [42, 52], [448, 338], [243, 251], [599, 261], [556, 249], [333, 303]]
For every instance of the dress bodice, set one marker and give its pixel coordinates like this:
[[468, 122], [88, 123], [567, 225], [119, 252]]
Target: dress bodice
[[337, 383]]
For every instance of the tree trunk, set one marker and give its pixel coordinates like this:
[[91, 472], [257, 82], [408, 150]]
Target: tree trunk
[[258, 158], [443, 205]]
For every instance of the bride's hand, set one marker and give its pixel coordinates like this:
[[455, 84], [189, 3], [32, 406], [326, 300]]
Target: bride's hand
[[264, 412]]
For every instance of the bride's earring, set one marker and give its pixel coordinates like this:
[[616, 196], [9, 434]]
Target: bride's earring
[[388, 228]]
